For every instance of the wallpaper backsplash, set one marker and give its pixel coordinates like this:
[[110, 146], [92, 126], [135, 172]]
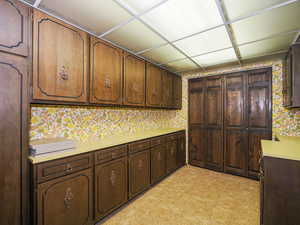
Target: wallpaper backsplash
[[83, 123]]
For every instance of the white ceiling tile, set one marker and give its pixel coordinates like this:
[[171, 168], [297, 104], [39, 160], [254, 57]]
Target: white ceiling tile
[[92, 15], [238, 8], [177, 18], [182, 65], [135, 36], [205, 42], [275, 21], [163, 54], [140, 6], [215, 58], [266, 46]]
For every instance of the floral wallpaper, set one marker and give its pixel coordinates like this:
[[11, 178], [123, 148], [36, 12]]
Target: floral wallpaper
[[82, 123]]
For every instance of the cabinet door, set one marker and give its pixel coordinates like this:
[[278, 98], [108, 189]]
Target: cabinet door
[[134, 81], [197, 140], [110, 186], [214, 123], [158, 163], [153, 86], [106, 73], [177, 92], [171, 156], [60, 60], [14, 139], [167, 90], [260, 116], [197, 102], [66, 200], [235, 125], [14, 28], [287, 81], [139, 172], [181, 151]]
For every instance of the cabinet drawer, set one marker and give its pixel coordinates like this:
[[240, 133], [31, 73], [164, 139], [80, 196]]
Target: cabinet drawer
[[139, 146], [171, 137], [62, 167], [110, 154], [157, 141]]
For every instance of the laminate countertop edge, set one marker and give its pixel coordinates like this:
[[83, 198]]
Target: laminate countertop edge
[[90, 146], [287, 147]]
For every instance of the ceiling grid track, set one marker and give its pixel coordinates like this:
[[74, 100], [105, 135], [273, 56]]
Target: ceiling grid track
[[228, 23], [124, 6], [135, 17], [37, 3]]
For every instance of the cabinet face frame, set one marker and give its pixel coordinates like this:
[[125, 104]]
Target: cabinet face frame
[[38, 93], [108, 82]]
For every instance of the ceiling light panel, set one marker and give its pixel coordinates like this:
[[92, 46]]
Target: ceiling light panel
[[266, 46], [140, 6], [278, 20], [182, 65], [205, 42], [163, 54], [176, 18], [135, 36], [238, 8], [215, 58], [92, 15]]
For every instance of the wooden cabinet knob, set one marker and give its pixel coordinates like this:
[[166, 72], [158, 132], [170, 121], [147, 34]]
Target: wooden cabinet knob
[[113, 177], [69, 168], [107, 82], [63, 73], [140, 164]]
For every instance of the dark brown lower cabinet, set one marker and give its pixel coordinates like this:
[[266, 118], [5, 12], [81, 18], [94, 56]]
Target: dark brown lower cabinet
[[196, 145], [158, 163], [139, 172], [66, 200], [171, 156], [181, 150], [280, 192], [83, 189], [110, 186]]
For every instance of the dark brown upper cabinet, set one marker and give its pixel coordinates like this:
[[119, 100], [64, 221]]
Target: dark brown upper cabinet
[[60, 60], [106, 76], [134, 81], [291, 78], [14, 27], [167, 89], [177, 92], [153, 86]]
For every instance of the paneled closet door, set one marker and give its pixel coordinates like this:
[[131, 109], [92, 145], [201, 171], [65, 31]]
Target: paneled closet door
[[259, 116], [235, 124], [214, 123], [197, 122]]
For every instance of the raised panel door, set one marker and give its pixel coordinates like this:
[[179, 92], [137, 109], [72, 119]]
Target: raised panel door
[[14, 27], [134, 81], [158, 163], [214, 149], [66, 200], [177, 92], [139, 172], [60, 60], [197, 102], [13, 129], [181, 151], [106, 73], [171, 156], [153, 86], [197, 143], [167, 89], [110, 186]]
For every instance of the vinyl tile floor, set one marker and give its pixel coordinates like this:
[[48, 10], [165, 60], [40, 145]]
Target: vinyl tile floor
[[194, 196]]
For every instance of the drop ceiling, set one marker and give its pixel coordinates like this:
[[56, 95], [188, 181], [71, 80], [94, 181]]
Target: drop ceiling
[[185, 35]]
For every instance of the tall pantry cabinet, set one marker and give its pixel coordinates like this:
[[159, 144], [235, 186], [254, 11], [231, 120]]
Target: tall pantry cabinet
[[14, 60], [228, 116]]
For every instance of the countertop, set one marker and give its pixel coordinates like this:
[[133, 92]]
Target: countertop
[[89, 146], [287, 147]]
